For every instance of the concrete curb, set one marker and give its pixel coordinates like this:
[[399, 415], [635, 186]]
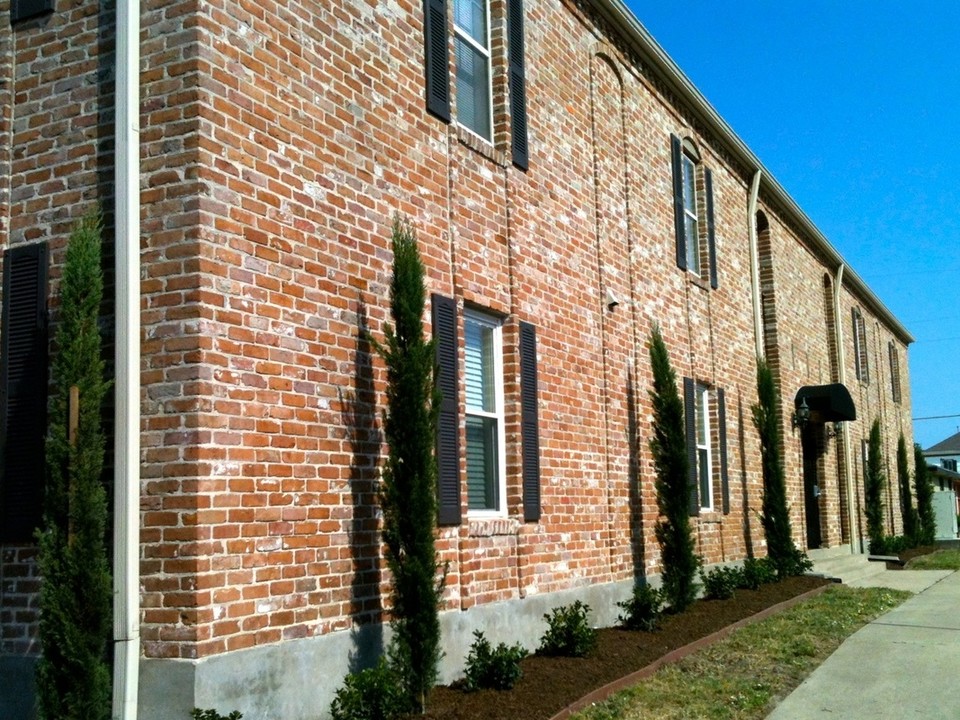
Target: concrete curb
[[602, 693]]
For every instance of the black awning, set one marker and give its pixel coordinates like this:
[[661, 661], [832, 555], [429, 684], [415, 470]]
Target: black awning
[[827, 403]]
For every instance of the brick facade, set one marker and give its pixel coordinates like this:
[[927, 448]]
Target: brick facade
[[278, 141]]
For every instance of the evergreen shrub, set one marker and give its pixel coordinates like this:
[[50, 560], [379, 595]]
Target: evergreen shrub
[[643, 610], [495, 668], [568, 631]]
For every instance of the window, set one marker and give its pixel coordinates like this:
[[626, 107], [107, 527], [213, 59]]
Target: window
[[704, 459], [693, 211], [690, 222], [706, 430], [471, 42], [483, 50], [484, 413], [860, 346], [894, 373], [949, 464]]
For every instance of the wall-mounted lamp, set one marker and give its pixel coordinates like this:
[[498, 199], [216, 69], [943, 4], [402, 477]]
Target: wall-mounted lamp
[[612, 300], [801, 417]]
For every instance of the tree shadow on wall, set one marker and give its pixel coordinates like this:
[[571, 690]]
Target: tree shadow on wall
[[637, 548], [359, 414]]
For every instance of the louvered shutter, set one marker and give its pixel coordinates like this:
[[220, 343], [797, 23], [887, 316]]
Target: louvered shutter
[[26, 9], [722, 439], [437, 58], [23, 390], [678, 216], [518, 84], [448, 435], [530, 429], [711, 236], [690, 419]]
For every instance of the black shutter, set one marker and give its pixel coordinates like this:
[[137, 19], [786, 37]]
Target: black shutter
[[857, 350], [711, 236], [722, 438], [690, 419], [529, 423], [518, 84], [448, 426], [437, 58], [676, 154], [23, 391], [26, 9]]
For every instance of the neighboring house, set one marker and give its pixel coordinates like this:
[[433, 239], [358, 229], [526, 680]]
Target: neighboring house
[[570, 187], [942, 462]]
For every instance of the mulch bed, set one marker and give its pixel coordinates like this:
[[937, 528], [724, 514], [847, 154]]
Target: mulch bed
[[908, 555], [549, 684]]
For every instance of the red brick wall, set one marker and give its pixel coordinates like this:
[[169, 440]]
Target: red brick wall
[[278, 142]]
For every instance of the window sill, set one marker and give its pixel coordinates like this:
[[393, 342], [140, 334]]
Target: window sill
[[478, 144], [492, 527], [698, 281]]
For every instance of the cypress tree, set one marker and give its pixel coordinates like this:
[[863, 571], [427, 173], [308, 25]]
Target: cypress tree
[[669, 448], [408, 495], [907, 511], [775, 515], [73, 676], [927, 520], [873, 489]]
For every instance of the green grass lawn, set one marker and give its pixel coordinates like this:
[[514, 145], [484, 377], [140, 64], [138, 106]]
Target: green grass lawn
[[746, 674], [939, 560]]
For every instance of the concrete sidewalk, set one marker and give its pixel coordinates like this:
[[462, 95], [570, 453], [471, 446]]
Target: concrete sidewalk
[[902, 665]]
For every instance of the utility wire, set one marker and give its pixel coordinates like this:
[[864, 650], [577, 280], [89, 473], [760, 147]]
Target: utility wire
[[936, 417]]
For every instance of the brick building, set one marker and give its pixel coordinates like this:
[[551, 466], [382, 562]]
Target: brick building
[[570, 188]]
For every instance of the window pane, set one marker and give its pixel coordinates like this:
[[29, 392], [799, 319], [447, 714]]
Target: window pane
[[471, 17], [701, 415], [481, 390], [482, 463], [689, 186], [692, 234], [703, 471], [473, 89]]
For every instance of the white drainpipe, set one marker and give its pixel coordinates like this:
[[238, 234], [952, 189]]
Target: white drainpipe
[[755, 264], [126, 524], [845, 432]]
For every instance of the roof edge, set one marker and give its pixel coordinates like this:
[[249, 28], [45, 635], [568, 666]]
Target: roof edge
[[643, 42]]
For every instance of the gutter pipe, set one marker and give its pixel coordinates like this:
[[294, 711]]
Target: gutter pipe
[[755, 264], [126, 526]]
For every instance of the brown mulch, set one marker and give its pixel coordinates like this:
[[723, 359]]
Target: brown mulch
[[549, 684]]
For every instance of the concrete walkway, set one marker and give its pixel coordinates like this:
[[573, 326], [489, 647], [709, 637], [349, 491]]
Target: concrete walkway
[[902, 665]]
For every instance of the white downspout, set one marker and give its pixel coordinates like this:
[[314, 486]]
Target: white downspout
[[126, 523], [845, 432], [755, 264]]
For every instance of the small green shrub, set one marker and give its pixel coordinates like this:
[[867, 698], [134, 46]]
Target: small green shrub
[[643, 610], [371, 694], [757, 572], [198, 714], [496, 668], [890, 545], [568, 632], [719, 583]]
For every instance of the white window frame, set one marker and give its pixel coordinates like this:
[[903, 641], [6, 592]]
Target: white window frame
[[461, 35], [691, 212], [471, 316], [704, 443]]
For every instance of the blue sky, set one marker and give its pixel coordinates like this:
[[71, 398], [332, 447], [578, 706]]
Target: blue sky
[[853, 106]]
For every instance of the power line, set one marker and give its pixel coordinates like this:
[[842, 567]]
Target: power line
[[936, 417]]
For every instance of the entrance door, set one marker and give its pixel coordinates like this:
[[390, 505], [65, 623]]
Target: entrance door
[[811, 484]]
